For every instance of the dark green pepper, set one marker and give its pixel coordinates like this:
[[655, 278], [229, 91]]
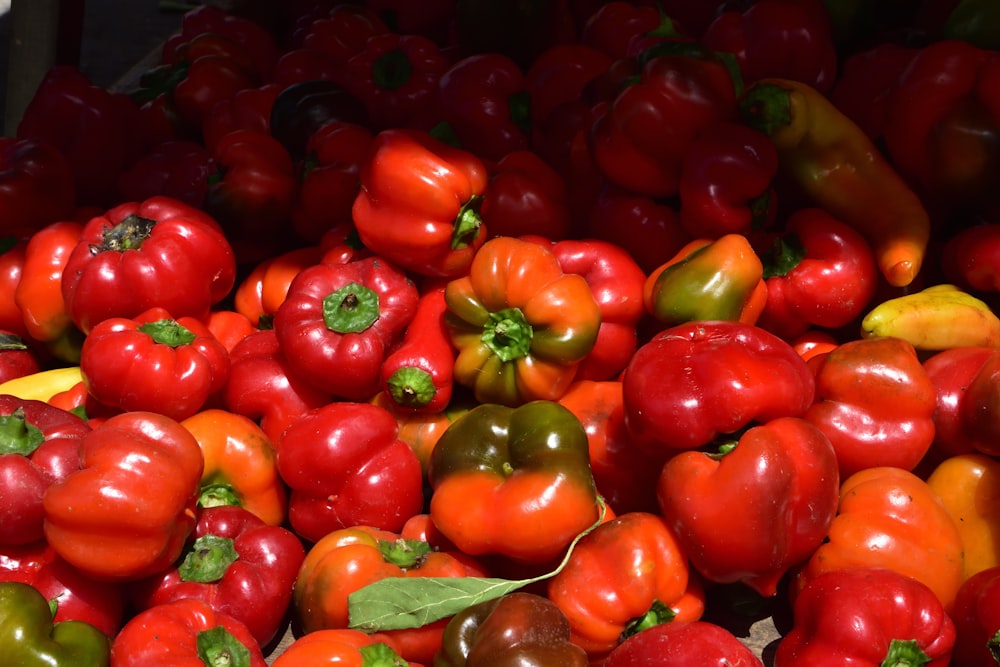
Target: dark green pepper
[[31, 638], [521, 629], [513, 481]]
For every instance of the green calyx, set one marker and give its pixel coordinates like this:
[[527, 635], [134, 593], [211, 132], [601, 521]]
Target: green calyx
[[657, 614], [402, 553], [217, 647], [411, 387], [168, 332], [381, 655], [766, 107], [17, 436], [392, 70], [208, 560], [467, 223], [508, 334], [350, 309], [905, 654], [218, 495], [786, 253]]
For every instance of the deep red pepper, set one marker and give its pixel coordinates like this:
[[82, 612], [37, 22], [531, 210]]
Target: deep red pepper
[[177, 168], [977, 620], [236, 563], [679, 644], [483, 100], [430, 19], [16, 357], [558, 77], [966, 391], [12, 250], [343, 31], [37, 186], [526, 195], [346, 466], [258, 43], [862, 89], [418, 374], [969, 258], [726, 183], [78, 596], [248, 109], [625, 29]]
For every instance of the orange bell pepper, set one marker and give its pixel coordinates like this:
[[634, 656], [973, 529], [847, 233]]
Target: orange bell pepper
[[240, 465], [969, 486]]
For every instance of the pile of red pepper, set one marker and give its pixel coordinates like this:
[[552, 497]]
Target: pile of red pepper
[[470, 332]]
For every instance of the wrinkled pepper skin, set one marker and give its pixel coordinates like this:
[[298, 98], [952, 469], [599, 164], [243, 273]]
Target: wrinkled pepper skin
[[759, 510], [875, 402], [31, 638], [696, 381], [977, 620], [889, 517], [867, 616], [680, 644], [127, 511], [521, 324], [38, 447], [513, 481], [627, 572], [522, 627]]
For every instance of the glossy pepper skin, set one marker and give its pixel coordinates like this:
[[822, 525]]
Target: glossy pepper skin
[[693, 382], [977, 620], [820, 272], [969, 486], [345, 465], [154, 362], [344, 646], [708, 279], [841, 170], [887, 517], [519, 626], [36, 186], [240, 465], [137, 255], [526, 195], [31, 638], [127, 511], [513, 481], [80, 597], [521, 324], [628, 573], [790, 470], [640, 139], [418, 205], [875, 402], [38, 447], [943, 120], [678, 644], [867, 616], [968, 258], [237, 564], [186, 632], [339, 321], [346, 560], [16, 358], [966, 390], [792, 39]]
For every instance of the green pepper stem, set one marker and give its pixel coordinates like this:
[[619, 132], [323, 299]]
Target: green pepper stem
[[467, 223], [17, 435], [905, 654], [411, 387], [217, 647], [508, 334], [208, 560], [168, 332], [350, 309]]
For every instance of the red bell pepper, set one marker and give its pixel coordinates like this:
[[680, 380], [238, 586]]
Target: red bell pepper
[[154, 362], [791, 39], [39, 292], [820, 272], [419, 203], [977, 620], [263, 388], [127, 511], [627, 573], [98, 132], [875, 402], [177, 168], [640, 141], [513, 481], [158, 252], [867, 616], [78, 597], [237, 564], [696, 381], [757, 510], [307, 104], [248, 109], [228, 326], [11, 267], [418, 374], [676, 644], [943, 121], [329, 178], [37, 186], [240, 465], [726, 182], [346, 466], [16, 358], [526, 195], [616, 281], [343, 645], [339, 321], [483, 100], [865, 83], [969, 258], [255, 39], [557, 78], [346, 560], [343, 31], [396, 76], [185, 632], [518, 30], [252, 193], [965, 386], [38, 443], [625, 29]]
